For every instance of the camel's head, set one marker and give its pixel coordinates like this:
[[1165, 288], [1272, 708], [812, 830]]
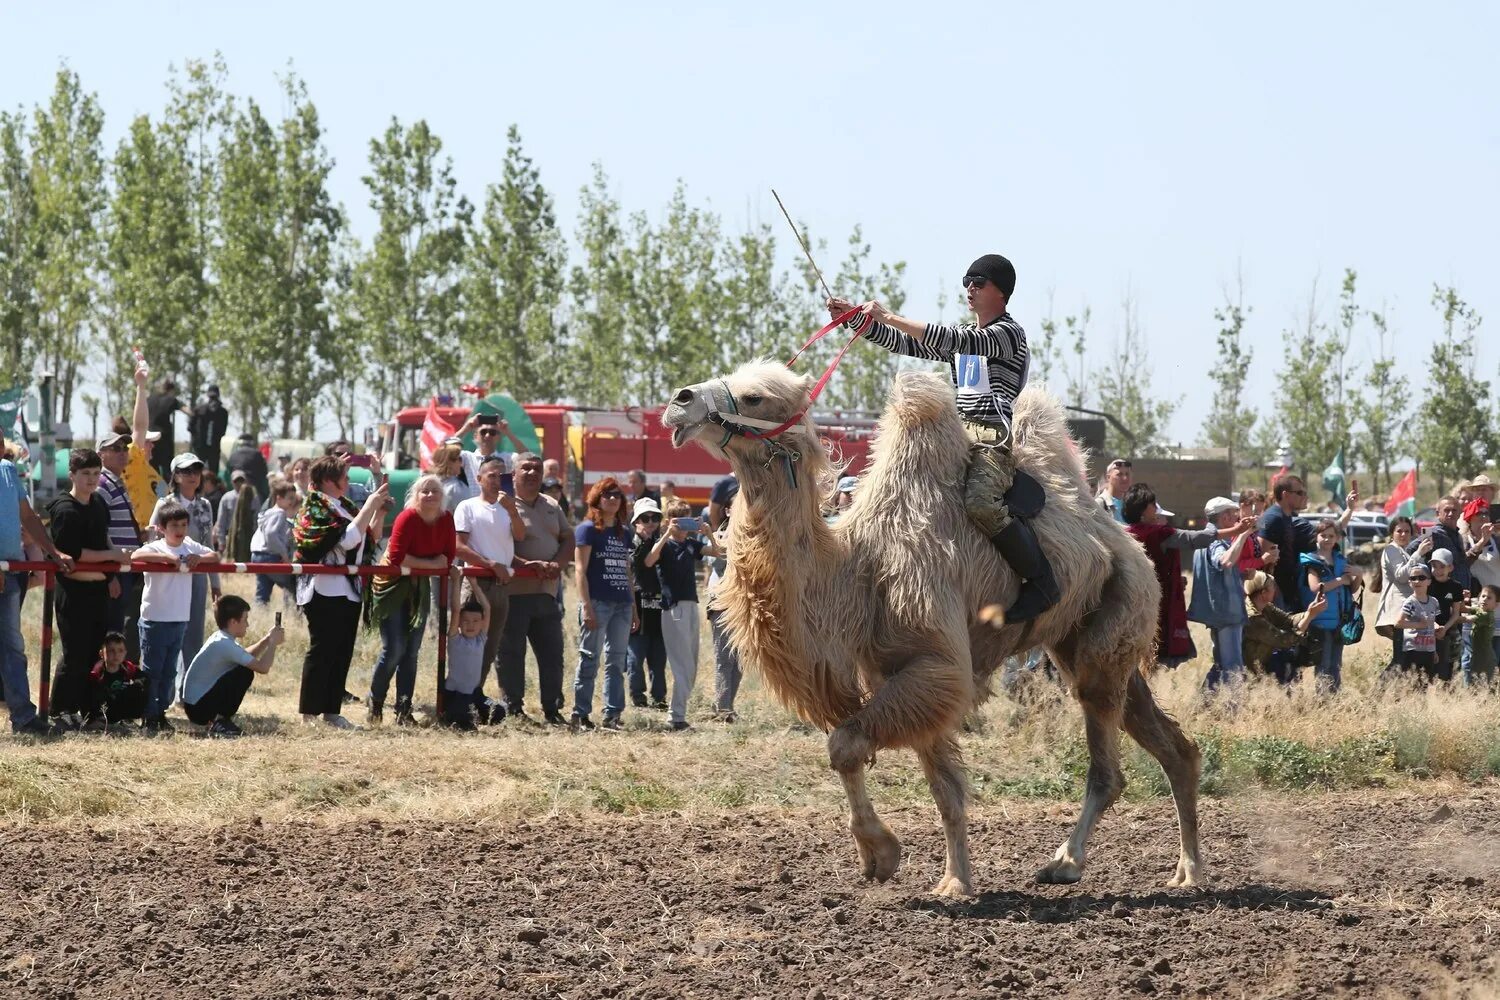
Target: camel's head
[[757, 397]]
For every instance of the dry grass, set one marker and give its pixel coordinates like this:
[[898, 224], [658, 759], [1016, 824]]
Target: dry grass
[[1368, 736]]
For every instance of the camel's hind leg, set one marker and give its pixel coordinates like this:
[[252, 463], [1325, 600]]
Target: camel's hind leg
[[943, 765], [1101, 720], [1160, 735]]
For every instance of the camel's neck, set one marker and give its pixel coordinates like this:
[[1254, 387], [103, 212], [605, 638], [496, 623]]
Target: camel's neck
[[780, 598]]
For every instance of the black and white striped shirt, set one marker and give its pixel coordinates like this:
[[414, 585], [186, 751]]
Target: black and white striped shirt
[[988, 364]]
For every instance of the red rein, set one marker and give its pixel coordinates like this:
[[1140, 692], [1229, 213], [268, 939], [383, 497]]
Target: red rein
[[822, 382]]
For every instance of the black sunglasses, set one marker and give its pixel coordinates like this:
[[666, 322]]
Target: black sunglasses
[[612, 495], [1300, 493], [975, 281], [488, 432], [650, 518], [1418, 579]]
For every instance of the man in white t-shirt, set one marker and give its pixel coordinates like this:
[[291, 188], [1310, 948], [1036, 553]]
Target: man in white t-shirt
[[488, 528]]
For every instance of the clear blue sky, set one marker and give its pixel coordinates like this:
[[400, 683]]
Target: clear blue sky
[[1103, 147]]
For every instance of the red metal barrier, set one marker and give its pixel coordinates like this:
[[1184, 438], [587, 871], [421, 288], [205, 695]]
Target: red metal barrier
[[49, 571]]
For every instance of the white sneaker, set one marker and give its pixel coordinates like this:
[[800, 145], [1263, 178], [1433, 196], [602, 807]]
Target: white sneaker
[[338, 722]]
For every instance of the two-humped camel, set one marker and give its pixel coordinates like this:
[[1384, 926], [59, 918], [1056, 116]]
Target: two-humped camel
[[872, 629]]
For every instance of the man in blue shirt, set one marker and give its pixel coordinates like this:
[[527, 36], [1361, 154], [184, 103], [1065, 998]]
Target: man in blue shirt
[[1112, 490], [17, 517]]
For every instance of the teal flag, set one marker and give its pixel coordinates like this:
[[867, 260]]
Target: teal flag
[[11, 401], [1333, 478]]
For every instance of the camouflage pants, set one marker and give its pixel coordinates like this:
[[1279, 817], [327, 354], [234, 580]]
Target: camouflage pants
[[989, 477]]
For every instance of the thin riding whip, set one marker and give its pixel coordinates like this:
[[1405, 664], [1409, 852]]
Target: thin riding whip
[[801, 242]]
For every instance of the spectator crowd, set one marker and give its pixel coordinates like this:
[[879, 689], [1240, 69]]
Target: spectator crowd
[[1278, 593], [1274, 588], [133, 644]]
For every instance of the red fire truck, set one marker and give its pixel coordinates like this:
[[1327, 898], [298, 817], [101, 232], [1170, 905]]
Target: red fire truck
[[593, 442]]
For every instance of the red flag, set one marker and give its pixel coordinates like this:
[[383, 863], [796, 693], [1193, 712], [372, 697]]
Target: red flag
[[435, 430], [1403, 499], [1271, 487]]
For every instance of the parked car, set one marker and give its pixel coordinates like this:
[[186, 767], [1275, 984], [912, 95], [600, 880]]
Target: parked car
[[1367, 527]]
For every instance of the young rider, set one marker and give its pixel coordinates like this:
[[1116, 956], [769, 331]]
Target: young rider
[[988, 362]]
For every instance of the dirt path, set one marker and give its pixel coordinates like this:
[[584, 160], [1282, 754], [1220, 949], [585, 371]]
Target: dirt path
[[1393, 895]]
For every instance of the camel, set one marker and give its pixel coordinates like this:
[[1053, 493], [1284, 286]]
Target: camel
[[880, 629]]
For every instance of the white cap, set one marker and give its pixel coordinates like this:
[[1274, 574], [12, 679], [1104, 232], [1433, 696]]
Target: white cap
[[1219, 505], [1441, 556], [645, 505]]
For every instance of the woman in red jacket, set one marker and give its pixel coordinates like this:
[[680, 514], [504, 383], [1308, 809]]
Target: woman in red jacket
[[422, 538]]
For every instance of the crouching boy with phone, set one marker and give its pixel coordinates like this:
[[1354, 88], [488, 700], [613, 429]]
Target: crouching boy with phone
[[221, 673]]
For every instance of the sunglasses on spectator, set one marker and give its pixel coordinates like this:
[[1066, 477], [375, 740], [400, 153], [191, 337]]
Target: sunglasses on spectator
[[650, 518], [975, 281], [612, 495], [488, 432], [1300, 493], [1419, 579]]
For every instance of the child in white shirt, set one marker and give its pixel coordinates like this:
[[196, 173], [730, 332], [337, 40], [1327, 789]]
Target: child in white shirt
[[166, 605]]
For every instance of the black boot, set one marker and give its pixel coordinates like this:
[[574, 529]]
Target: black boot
[[404, 716], [1019, 547]]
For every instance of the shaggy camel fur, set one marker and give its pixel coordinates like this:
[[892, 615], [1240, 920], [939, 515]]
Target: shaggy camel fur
[[872, 628]]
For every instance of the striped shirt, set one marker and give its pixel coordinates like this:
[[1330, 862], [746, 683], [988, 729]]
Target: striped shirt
[[122, 524], [988, 364]]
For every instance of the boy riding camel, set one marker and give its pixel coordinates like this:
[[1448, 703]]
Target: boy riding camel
[[988, 362]]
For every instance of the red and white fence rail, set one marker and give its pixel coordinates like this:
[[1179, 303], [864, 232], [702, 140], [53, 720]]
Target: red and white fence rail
[[49, 571]]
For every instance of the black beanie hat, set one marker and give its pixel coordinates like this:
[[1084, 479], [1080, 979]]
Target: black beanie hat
[[1000, 272]]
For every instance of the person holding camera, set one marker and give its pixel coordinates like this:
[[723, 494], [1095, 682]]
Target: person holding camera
[[675, 557], [332, 531], [489, 429]]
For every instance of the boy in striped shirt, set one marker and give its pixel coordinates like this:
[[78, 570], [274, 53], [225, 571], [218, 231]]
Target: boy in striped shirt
[[988, 362]]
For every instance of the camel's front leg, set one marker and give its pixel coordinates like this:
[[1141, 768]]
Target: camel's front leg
[[945, 776], [879, 850], [919, 705]]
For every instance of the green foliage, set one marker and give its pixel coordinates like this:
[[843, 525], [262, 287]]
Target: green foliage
[[407, 288], [19, 253], [198, 111], [1125, 391], [1455, 426], [514, 281], [153, 273], [865, 375], [1231, 420], [599, 287], [1305, 390], [67, 185], [1077, 329], [1382, 409], [274, 276]]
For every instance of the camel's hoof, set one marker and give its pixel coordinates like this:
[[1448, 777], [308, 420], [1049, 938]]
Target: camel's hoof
[[1188, 876], [849, 749], [953, 887], [1060, 872], [879, 855]]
